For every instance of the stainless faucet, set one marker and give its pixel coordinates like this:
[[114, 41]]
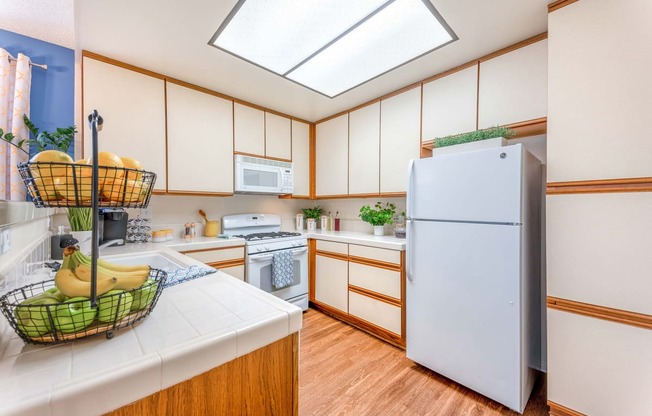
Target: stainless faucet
[[117, 241]]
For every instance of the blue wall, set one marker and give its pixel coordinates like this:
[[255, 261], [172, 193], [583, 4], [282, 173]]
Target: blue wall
[[52, 97]]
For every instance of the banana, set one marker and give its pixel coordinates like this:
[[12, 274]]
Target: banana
[[80, 257], [67, 282], [124, 280]]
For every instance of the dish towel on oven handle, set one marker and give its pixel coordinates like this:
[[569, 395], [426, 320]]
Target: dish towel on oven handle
[[282, 269]]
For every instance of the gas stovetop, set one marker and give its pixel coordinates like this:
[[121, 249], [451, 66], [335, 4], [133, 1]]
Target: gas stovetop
[[267, 236]]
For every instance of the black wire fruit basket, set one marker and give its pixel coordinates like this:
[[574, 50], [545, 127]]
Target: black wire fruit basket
[[40, 315], [52, 184]]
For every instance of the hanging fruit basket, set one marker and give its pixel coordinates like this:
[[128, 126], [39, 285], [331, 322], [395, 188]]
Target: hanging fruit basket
[[52, 184], [40, 315], [82, 301]]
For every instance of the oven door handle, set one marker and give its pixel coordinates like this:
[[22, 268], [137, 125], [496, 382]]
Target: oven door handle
[[263, 257]]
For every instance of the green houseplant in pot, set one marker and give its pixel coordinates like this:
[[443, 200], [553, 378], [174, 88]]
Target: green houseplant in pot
[[311, 214], [378, 216]]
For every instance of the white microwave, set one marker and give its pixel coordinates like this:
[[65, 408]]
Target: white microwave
[[254, 175]]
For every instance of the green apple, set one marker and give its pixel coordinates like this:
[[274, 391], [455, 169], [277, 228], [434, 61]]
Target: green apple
[[108, 304], [144, 295], [74, 315], [32, 315]]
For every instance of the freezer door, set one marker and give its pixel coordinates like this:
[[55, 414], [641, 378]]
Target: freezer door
[[463, 305], [483, 185]]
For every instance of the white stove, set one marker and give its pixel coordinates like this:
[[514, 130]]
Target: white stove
[[264, 238]]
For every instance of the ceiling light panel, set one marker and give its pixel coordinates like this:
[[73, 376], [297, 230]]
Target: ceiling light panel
[[280, 34], [399, 33]]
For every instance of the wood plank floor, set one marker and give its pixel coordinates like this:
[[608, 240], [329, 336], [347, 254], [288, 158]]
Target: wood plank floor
[[344, 371]]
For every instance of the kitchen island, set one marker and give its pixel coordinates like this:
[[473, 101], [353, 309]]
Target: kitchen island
[[213, 345]]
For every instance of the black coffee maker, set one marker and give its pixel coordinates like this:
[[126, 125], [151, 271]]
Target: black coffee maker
[[113, 225]]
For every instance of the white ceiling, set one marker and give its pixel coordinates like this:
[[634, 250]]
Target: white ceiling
[[51, 21], [171, 37]]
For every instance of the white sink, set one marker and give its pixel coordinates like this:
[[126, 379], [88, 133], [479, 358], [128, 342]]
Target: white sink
[[154, 260]]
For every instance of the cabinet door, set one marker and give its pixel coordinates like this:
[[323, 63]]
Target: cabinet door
[[514, 87], [332, 282], [200, 141], [364, 150], [249, 130], [450, 104], [301, 158], [133, 108], [400, 125], [278, 142], [236, 271], [332, 157], [377, 312]]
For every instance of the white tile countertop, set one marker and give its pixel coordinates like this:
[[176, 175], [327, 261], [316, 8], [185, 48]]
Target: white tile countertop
[[196, 326], [353, 237]]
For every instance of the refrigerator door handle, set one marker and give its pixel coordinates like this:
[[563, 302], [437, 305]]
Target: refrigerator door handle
[[408, 250], [408, 203]]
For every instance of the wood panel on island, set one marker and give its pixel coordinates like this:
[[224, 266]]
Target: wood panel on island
[[363, 286]]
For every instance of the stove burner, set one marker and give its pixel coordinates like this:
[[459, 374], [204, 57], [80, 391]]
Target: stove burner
[[267, 236]]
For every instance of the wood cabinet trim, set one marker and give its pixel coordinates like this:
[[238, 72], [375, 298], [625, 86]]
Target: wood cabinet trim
[[527, 128], [559, 410], [620, 316], [105, 59], [393, 194], [556, 5], [431, 78], [340, 196], [375, 263], [600, 186], [312, 252], [249, 154], [312, 165], [202, 250], [375, 295], [227, 263], [403, 297], [337, 256]]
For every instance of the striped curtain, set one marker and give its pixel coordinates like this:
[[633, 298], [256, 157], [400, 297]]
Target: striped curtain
[[15, 83]]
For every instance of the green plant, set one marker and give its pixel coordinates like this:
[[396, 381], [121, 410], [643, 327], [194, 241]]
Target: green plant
[[81, 219], [474, 136], [379, 215], [58, 140], [314, 212]]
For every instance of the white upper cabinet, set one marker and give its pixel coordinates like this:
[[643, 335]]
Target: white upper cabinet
[[133, 108], [364, 149], [278, 139], [301, 158], [249, 130], [400, 123], [200, 141], [513, 86], [450, 104], [332, 160]]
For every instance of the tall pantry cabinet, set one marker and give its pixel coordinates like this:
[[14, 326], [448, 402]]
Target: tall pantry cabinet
[[598, 209]]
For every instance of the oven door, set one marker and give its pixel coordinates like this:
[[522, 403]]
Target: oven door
[[259, 274]]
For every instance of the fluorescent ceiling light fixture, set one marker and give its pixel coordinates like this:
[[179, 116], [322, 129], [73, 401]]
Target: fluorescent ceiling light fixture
[[332, 46]]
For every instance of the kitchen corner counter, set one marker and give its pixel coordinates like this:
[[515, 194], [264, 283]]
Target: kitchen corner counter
[[196, 326], [352, 237]]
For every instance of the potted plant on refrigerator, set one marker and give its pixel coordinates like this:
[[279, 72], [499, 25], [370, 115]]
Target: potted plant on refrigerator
[[378, 216], [475, 140]]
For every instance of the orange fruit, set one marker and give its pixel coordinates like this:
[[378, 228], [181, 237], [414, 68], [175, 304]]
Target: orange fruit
[[45, 187], [65, 186], [117, 189], [110, 160], [131, 163], [47, 156]]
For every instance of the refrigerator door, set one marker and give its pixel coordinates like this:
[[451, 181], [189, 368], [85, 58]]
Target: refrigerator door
[[463, 305], [482, 186]]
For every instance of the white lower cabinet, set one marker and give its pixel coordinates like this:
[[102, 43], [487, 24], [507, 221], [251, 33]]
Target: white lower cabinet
[[598, 367], [384, 281], [236, 271], [332, 282], [377, 312], [229, 260]]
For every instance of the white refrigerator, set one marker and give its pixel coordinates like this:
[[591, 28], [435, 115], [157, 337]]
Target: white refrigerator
[[473, 270]]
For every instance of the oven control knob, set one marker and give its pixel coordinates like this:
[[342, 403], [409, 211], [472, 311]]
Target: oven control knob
[[267, 248], [259, 249]]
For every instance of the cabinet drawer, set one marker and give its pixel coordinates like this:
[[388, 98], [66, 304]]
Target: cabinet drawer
[[236, 271], [597, 367], [332, 247], [217, 255], [383, 281], [376, 312], [378, 254]]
